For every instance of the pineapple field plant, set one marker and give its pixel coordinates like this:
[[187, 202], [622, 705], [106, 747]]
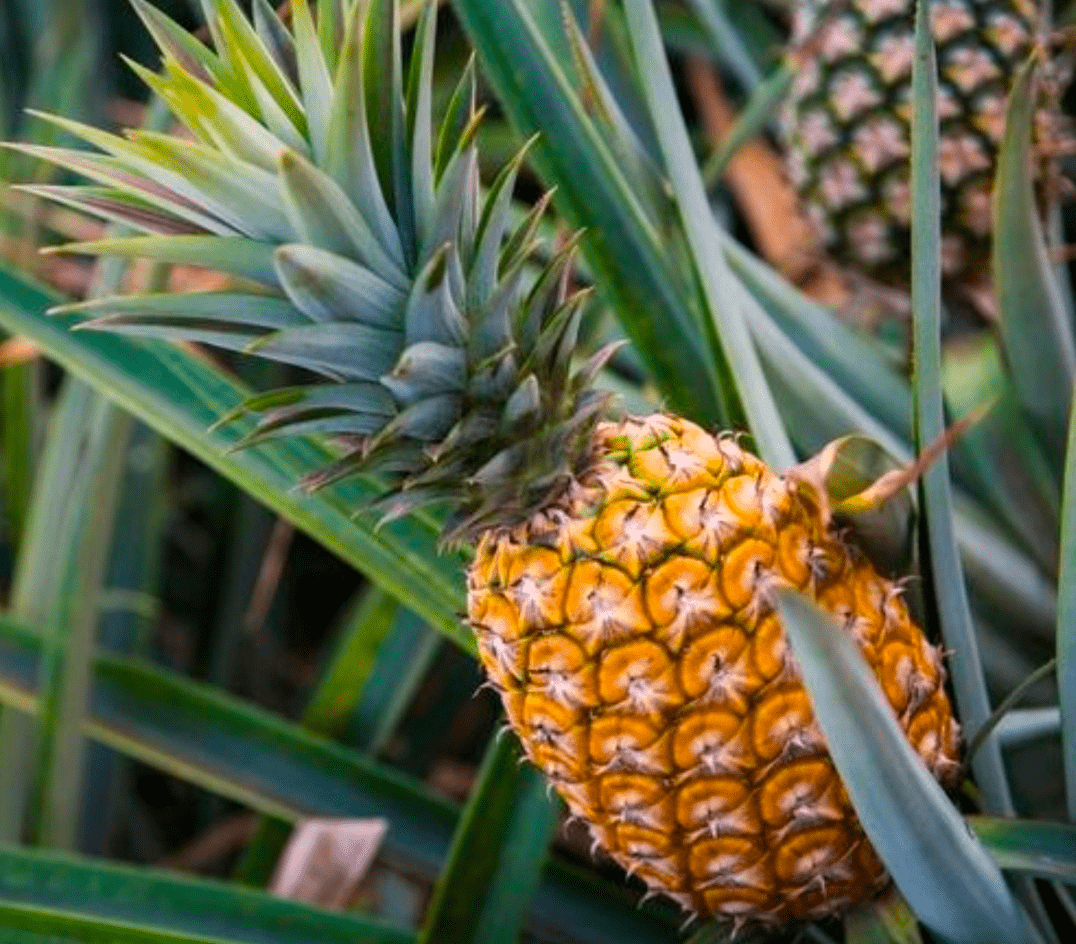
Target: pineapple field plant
[[725, 691], [848, 122]]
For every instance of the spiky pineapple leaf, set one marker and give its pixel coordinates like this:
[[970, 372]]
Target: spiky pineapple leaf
[[941, 869], [943, 569], [495, 862], [729, 328], [377, 255], [1036, 329], [46, 892], [1066, 621], [1044, 850], [624, 247], [752, 121], [206, 737], [181, 394], [233, 255]]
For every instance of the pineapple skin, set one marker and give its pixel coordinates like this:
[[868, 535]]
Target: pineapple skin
[[630, 633], [847, 125]]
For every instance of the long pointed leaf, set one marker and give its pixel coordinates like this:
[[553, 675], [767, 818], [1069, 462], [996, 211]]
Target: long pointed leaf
[[280, 770], [1066, 622], [1045, 850], [710, 264], [937, 534], [495, 863], [624, 249], [1035, 326], [181, 395], [37, 883], [943, 872]]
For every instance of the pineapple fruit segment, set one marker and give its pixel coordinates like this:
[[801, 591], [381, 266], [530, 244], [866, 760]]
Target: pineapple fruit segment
[[630, 631], [847, 125]]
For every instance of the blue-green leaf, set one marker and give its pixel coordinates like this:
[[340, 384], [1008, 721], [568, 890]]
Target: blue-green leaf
[[1035, 327], [941, 869]]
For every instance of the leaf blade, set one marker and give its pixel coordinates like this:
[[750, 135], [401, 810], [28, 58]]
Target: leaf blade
[[944, 873]]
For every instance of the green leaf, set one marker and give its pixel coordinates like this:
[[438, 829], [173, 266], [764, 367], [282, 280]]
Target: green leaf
[[886, 920], [1022, 725], [244, 44], [626, 250], [349, 156], [74, 927], [751, 121], [221, 308], [217, 121], [356, 654], [1035, 327], [97, 901], [337, 350], [1043, 850], [327, 288], [315, 79], [128, 613], [232, 255], [177, 43], [711, 267], [402, 661], [858, 363], [383, 74], [20, 403], [727, 42], [324, 217], [938, 542], [1027, 497], [207, 737], [496, 859], [180, 394], [253, 757], [330, 709], [943, 872], [93, 437], [1066, 621]]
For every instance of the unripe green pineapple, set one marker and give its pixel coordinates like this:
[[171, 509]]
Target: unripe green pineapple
[[623, 580], [847, 125]]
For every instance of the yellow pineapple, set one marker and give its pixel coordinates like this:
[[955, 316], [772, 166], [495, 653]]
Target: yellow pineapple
[[622, 586], [630, 630]]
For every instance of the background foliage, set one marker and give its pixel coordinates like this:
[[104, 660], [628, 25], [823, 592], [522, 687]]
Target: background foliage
[[194, 656]]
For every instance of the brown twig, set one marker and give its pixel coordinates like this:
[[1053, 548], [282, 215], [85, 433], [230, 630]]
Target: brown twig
[[265, 587], [756, 177], [219, 841]]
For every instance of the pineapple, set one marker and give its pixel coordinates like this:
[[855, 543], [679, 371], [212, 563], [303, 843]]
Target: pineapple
[[847, 130], [621, 590], [629, 628]]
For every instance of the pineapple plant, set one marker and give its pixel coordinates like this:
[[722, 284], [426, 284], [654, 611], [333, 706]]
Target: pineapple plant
[[625, 568], [846, 126]]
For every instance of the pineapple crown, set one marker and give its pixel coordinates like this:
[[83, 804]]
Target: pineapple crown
[[358, 244]]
